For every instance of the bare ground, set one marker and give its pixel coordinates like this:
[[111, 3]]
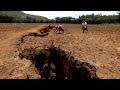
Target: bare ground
[[100, 47]]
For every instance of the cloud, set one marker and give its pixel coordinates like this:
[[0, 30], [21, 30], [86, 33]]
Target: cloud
[[75, 14]]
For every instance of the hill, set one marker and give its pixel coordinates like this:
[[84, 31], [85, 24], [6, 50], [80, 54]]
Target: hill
[[20, 14]]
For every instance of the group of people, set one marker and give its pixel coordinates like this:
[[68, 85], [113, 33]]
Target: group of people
[[60, 27]]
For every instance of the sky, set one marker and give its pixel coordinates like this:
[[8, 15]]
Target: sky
[[74, 14]]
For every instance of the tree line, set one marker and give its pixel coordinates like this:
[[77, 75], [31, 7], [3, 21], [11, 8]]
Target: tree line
[[91, 19]]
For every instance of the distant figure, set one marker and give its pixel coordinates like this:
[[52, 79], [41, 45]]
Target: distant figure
[[59, 28], [84, 26]]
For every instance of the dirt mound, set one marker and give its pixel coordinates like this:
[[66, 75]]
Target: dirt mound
[[46, 29]]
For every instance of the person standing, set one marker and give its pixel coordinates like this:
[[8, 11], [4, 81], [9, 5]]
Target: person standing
[[84, 26]]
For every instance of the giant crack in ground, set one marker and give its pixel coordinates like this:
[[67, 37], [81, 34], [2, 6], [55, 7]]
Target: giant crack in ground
[[55, 63]]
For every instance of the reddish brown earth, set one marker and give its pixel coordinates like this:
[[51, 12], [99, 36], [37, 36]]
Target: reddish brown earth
[[100, 47]]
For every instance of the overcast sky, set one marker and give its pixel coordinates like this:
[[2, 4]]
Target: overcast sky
[[75, 14]]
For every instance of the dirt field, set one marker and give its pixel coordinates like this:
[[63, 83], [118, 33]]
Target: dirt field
[[99, 47]]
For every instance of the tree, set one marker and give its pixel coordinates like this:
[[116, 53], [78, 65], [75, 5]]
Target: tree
[[57, 19], [118, 17], [6, 19]]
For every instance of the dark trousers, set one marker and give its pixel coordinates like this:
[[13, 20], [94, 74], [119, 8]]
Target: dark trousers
[[85, 29]]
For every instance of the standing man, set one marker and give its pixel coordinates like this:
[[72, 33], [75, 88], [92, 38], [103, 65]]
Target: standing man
[[84, 26]]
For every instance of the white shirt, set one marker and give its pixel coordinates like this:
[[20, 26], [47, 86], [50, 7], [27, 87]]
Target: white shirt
[[84, 24], [61, 25]]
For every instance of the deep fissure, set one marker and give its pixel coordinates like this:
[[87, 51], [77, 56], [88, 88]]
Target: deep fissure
[[54, 63]]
